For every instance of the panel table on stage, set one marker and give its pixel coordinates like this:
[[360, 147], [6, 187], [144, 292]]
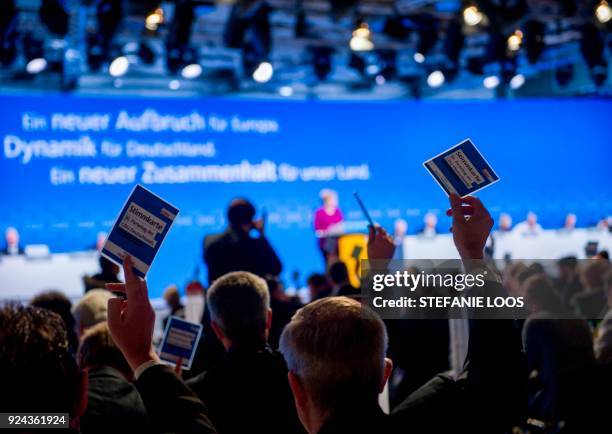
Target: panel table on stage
[[549, 244], [21, 277]]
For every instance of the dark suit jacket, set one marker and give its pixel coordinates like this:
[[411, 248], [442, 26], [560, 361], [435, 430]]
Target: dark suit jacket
[[248, 392], [231, 251], [113, 404], [172, 406], [489, 396]]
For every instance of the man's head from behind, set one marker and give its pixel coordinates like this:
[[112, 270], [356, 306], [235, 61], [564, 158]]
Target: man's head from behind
[[335, 352], [240, 309], [37, 371], [240, 214]]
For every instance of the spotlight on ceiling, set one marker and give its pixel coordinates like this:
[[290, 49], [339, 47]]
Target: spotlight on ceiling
[[603, 13], [361, 39], [515, 40], [418, 57], [36, 66], [191, 71], [517, 81], [491, 82], [435, 79], [119, 67], [263, 73], [154, 19], [472, 16]]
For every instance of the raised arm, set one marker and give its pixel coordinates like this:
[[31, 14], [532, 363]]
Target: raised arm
[[495, 374], [171, 405]]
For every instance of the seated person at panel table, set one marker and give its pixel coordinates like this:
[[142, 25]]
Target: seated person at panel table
[[12, 248], [235, 249], [247, 391]]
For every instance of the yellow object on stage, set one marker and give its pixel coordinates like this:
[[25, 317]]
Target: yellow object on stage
[[352, 248]]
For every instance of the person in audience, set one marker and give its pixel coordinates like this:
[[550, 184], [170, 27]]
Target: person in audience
[[235, 249], [113, 403], [170, 404], [335, 351], [318, 286], [328, 224], [283, 307], [430, 225], [90, 309], [57, 302], [173, 301], [109, 273], [12, 248], [400, 230], [510, 278], [248, 390], [529, 227], [338, 276], [570, 223], [591, 302], [505, 223], [38, 373], [559, 349], [568, 282]]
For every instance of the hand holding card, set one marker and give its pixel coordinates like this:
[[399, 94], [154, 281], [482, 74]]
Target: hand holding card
[[180, 342], [131, 320], [140, 229]]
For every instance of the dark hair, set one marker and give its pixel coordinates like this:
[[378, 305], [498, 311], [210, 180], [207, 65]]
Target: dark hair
[[568, 262], [531, 270], [57, 302], [37, 371], [240, 212], [540, 291], [316, 280], [239, 304], [338, 272], [107, 266]]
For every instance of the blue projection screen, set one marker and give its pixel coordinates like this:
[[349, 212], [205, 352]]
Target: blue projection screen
[[68, 163]]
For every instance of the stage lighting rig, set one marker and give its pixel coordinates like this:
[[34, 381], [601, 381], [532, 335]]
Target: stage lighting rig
[[534, 39], [109, 14], [54, 15], [248, 28], [592, 48], [321, 61], [8, 32], [472, 16]]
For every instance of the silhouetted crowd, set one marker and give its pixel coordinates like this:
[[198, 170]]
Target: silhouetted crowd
[[267, 363]]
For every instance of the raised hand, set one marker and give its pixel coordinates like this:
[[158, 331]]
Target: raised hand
[[131, 320], [471, 226], [380, 244]]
